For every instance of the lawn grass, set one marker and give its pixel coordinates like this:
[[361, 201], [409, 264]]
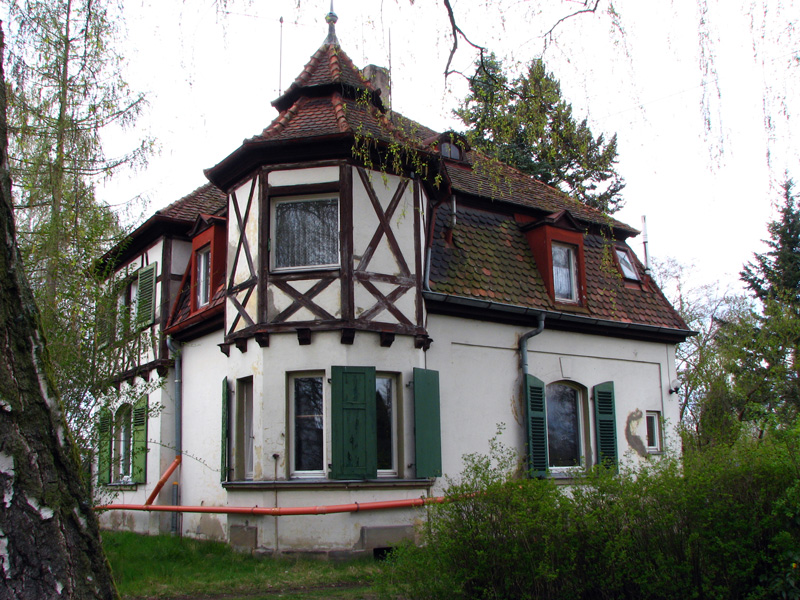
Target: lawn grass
[[167, 567]]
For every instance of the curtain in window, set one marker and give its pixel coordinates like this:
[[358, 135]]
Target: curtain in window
[[562, 272], [307, 233]]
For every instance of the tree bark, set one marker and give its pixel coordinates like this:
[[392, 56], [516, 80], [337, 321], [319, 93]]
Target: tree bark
[[49, 535]]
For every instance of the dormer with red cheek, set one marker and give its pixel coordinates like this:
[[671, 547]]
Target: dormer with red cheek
[[557, 245], [207, 266]]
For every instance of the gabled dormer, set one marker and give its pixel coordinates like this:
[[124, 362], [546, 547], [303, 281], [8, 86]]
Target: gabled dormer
[[449, 145], [556, 242], [207, 265], [200, 300]]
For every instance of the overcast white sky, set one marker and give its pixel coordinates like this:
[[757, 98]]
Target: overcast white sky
[[707, 190]]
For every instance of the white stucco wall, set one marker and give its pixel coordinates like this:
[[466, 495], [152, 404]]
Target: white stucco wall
[[481, 384]]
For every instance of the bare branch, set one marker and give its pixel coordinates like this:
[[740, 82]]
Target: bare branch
[[456, 32], [593, 9]]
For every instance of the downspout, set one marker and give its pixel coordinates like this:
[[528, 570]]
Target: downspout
[[523, 345], [175, 348]]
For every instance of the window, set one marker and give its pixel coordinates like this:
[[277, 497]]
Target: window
[[122, 453], [450, 150], [564, 427], [305, 233], [385, 425], [565, 285], [559, 430], [203, 275], [626, 263], [306, 403], [122, 443], [653, 423], [241, 416]]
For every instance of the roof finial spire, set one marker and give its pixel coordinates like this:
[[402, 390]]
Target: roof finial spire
[[331, 19]]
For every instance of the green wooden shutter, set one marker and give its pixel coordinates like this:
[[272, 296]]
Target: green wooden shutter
[[536, 417], [104, 449], [353, 433], [605, 424], [139, 435], [106, 320], [223, 467], [427, 424], [146, 296]]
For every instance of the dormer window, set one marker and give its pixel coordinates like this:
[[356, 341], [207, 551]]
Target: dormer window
[[557, 245], [206, 268], [626, 265], [565, 283], [305, 233], [450, 150], [203, 274]]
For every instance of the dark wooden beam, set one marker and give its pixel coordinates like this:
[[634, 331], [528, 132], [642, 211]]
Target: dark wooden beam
[[422, 341], [304, 336], [387, 339]]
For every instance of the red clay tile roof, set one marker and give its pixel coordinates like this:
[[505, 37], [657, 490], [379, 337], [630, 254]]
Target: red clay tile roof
[[182, 315], [479, 176], [490, 259], [207, 199], [328, 65]]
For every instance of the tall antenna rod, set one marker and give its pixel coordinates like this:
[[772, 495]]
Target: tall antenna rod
[[644, 243], [280, 61]]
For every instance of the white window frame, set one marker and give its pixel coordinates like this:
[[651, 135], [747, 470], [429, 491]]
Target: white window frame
[[293, 471], [276, 202], [203, 275], [626, 264], [585, 428], [393, 379], [654, 443], [572, 254]]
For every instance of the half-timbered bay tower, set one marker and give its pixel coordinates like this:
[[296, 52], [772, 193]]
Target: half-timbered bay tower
[[351, 304]]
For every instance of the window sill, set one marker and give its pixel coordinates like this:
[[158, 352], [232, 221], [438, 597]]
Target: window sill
[[328, 484], [120, 486], [305, 270], [576, 307]]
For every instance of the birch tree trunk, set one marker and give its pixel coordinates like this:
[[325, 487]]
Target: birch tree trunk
[[49, 536]]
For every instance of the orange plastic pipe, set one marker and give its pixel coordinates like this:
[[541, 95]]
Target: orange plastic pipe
[[279, 511], [170, 470]]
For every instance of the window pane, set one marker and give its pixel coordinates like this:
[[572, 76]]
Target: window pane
[[652, 422], [307, 233], [383, 412], [247, 409], [308, 424], [563, 279], [563, 433], [626, 264], [203, 277], [122, 454]]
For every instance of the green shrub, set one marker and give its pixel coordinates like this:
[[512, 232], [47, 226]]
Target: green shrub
[[722, 523]]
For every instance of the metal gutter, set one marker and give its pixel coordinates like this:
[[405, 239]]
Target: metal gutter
[[523, 311]]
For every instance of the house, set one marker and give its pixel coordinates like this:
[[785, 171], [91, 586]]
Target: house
[[351, 304]]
